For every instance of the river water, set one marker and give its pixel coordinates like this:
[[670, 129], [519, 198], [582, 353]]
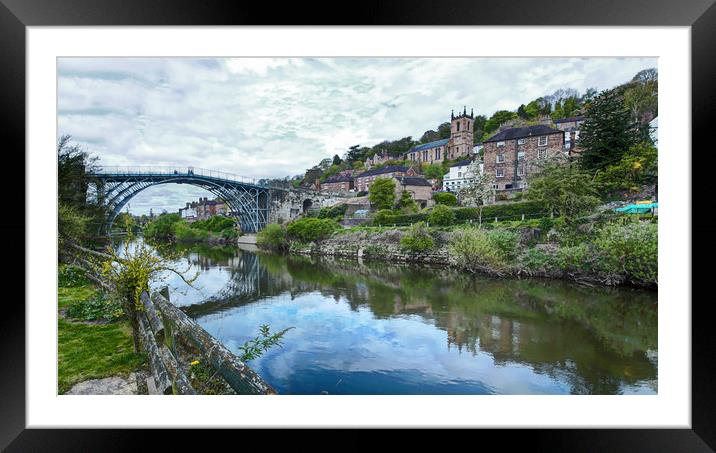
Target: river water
[[376, 328]]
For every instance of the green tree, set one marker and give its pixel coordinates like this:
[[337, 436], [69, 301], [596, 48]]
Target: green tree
[[498, 118], [639, 166], [446, 198], [382, 193], [441, 215], [479, 191], [433, 171], [563, 188], [406, 202], [607, 133], [337, 160]]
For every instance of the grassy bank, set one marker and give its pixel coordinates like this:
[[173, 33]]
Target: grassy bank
[[605, 249], [93, 342]]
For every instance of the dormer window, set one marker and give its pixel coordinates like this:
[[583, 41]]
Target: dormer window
[[499, 144], [521, 141]]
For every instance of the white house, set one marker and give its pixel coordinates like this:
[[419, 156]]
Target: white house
[[457, 178], [653, 131]]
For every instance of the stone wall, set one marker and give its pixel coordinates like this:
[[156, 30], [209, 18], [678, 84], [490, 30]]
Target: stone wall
[[287, 205]]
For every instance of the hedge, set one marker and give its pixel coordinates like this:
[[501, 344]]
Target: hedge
[[508, 211]]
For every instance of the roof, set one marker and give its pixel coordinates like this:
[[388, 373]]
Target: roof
[[569, 120], [431, 144], [413, 181], [338, 178], [380, 171], [462, 163], [522, 132]]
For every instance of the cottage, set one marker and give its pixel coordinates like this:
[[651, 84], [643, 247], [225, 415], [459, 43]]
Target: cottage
[[418, 187], [365, 179], [509, 154], [377, 159]]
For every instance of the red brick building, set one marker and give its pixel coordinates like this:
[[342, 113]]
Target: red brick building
[[509, 154]]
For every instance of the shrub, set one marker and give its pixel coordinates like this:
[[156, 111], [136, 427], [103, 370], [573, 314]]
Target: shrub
[[183, 232], [629, 250], [214, 224], [446, 198], [417, 239], [505, 241], [384, 217], [441, 215], [574, 258], [70, 276], [98, 307], [162, 227], [333, 212], [507, 211], [312, 229], [230, 233], [536, 260], [474, 250], [272, 237]]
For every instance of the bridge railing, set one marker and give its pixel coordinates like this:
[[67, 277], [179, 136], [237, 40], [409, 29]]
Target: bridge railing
[[173, 170]]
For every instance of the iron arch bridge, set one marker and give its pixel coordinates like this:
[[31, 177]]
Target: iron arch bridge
[[248, 200]]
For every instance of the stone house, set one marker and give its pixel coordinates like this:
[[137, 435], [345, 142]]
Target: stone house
[[377, 159], [365, 179], [337, 183], [511, 153], [419, 188], [204, 208], [459, 144]]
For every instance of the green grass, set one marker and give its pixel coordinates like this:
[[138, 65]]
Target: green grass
[[91, 351]]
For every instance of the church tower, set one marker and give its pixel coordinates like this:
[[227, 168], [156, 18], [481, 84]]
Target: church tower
[[461, 134]]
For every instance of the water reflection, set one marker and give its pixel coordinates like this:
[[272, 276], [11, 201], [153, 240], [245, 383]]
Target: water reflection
[[373, 328]]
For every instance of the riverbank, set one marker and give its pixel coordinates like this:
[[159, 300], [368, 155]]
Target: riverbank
[[93, 341], [612, 253]]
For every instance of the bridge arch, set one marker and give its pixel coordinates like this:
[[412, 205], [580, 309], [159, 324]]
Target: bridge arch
[[247, 201]]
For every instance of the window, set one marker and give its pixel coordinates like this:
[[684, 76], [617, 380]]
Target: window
[[499, 172], [500, 158], [520, 170], [459, 174], [458, 126], [494, 187], [520, 156], [542, 141], [437, 154], [500, 144], [541, 153], [468, 125], [521, 141]]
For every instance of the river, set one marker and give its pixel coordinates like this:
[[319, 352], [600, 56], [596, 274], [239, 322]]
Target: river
[[377, 328]]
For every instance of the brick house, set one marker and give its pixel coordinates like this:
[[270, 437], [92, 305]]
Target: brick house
[[365, 179], [337, 183], [571, 127], [459, 144], [419, 188], [509, 154]]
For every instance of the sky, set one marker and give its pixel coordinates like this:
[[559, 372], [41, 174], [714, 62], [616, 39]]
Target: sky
[[276, 117]]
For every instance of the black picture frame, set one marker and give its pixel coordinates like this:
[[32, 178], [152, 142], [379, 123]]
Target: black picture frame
[[700, 15]]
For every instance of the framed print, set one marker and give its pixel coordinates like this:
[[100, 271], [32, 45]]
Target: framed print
[[379, 225]]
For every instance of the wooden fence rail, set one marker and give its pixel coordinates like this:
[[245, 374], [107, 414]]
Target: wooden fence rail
[[162, 328]]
